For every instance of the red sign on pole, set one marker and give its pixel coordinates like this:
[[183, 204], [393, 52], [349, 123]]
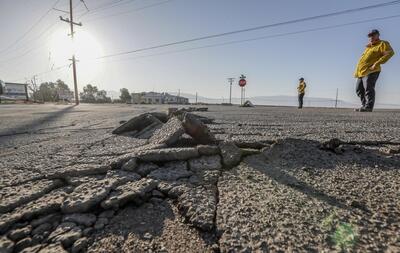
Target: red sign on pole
[[242, 82]]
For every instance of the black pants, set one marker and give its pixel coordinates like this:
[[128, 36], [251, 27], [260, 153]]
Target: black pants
[[365, 89], [301, 96]]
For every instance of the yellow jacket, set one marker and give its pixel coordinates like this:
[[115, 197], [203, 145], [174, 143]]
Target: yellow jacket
[[377, 54], [301, 88]]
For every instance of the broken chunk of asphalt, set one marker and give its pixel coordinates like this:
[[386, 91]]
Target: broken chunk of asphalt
[[333, 145], [162, 116], [231, 154], [169, 133], [197, 129], [167, 154], [85, 197], [147, 126], [136, 192], [138, 123]]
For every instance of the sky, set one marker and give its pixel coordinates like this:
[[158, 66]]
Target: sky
[[325, 58]]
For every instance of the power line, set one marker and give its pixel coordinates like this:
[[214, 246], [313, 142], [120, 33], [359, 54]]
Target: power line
[[84, 3], [21, 55], [259, 38], [235, 42], [129, 11], [106, 6], [231, 42], [43, 73], [50, 27], [240, 41], [255, 28], [31, 28], [29, 42], [32, 49]]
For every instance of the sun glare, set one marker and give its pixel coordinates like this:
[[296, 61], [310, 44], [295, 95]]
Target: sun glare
[[85, 47]]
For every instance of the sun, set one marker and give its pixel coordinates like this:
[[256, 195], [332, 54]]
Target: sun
[[84, 46]]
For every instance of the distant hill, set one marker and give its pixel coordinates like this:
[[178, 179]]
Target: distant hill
[[285, 101], [274, 100]]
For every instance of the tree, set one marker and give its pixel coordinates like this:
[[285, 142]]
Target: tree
[[101, 97], [62, 90], [91, 94], [48, 91], [125, 96], [61, 86], [34, 89]]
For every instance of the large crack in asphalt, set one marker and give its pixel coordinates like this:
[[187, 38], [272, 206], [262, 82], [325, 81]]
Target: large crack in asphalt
[[234, 194], [216, 233]]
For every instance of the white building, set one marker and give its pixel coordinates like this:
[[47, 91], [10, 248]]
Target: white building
[[171, 99], [14, 90], [157, 98]]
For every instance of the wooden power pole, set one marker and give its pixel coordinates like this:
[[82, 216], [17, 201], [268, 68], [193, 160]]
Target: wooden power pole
[[72, 23], [336, 101], [230, 80]]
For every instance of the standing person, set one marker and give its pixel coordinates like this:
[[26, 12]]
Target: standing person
[[301, 90], [368, 69]]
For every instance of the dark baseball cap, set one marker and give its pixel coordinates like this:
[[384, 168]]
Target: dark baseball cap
[[373, 32], [301, 79]]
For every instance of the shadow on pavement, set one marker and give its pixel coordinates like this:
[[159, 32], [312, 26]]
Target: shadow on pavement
[[33, 125], [282, 177], [292, 156]]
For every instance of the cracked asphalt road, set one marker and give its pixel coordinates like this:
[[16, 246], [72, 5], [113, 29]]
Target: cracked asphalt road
[[293, 197]]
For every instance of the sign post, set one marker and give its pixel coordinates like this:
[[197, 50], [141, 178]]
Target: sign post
[[242, 84]]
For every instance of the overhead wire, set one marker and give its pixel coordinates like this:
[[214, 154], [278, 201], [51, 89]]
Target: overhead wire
[[29, 42], [251, 39], [20, 38], [253, 29], [51, 26], [48, 31], [44, 72], [258, 38], [105, 7], [128, 11]]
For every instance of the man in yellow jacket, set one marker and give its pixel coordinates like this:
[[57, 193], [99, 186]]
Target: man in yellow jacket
[[368, 69], [301, 90]]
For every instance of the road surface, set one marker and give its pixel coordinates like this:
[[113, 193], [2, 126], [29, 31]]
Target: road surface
[[293, 196]]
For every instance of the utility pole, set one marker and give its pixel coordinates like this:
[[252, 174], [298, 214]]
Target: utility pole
[[337, 94], [196, 98], [230, 80], [35, 85], [72, 23], [1, 89], [26, 91]]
